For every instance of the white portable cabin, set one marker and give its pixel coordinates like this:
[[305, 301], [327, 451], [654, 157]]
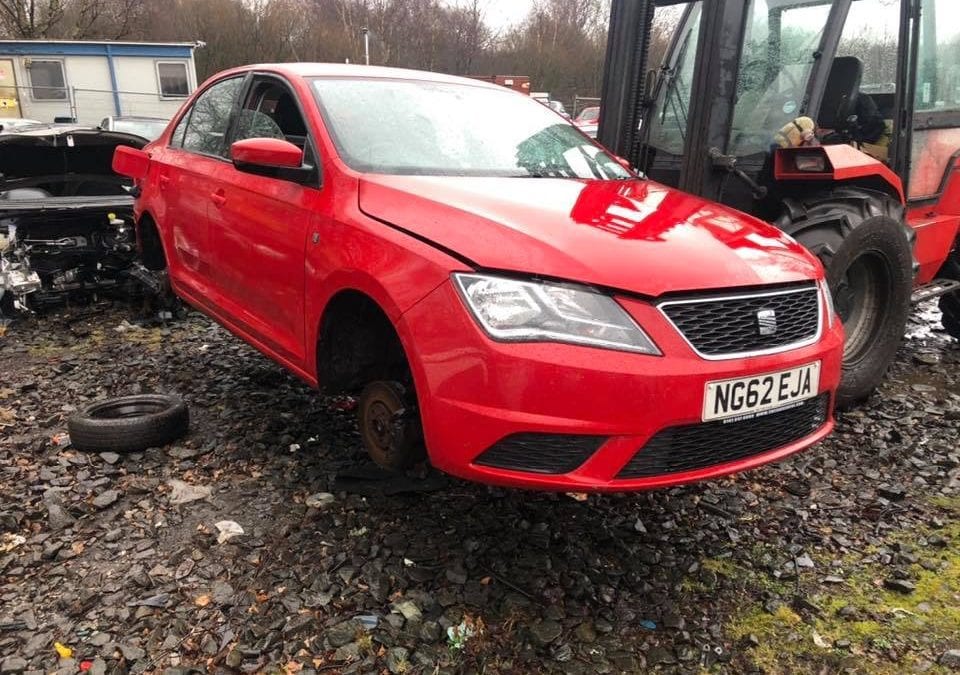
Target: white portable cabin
[[86, 81]]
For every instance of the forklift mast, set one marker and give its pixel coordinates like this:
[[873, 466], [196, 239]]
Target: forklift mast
[[629, 83]]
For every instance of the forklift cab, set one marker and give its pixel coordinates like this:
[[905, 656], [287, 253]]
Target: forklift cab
[[845, 63], [836, 120]]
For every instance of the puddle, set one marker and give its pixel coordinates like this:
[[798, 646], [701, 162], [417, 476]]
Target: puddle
[[924, 323]]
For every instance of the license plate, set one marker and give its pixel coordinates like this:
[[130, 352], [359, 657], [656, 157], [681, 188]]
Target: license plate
[[746, 397]]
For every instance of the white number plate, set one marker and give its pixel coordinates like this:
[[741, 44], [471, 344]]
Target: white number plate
[[746, 397]]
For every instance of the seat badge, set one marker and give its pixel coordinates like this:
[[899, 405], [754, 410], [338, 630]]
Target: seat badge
[[767, 322]]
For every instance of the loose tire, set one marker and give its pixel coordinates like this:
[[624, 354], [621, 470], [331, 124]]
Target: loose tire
[[867, 251], [390, 425], [129, 424], [950, 303]]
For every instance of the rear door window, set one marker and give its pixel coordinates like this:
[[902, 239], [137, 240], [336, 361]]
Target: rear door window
[[208, 120]]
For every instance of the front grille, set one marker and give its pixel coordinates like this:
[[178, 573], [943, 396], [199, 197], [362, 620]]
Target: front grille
[[729, 326], [540, 453], [696, 446]]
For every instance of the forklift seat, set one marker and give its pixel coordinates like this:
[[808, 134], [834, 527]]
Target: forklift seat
[[840, 95]]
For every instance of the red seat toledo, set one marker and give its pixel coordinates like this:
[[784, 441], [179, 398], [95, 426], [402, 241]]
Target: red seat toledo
[[506, 298]]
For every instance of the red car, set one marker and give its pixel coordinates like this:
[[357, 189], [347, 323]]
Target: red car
[[506, 296], [588, 116]]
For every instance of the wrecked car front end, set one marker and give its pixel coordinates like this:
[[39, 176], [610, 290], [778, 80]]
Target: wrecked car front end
[[66, 219]]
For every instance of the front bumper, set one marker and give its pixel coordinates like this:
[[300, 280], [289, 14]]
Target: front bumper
[[475, 393]]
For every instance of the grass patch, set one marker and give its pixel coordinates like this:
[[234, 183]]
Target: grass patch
[[721, 566], [48, 350], [861, 624]]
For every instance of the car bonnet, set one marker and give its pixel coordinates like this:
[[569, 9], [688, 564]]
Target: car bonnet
[[633, 235]]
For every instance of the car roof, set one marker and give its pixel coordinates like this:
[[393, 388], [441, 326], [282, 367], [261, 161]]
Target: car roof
[[353, 70]]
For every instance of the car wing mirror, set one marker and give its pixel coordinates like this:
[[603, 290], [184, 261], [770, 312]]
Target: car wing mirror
[[131, 162], [273, 158], [267, 153]]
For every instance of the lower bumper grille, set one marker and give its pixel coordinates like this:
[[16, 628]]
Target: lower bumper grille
[[540, 453], [688, 448]]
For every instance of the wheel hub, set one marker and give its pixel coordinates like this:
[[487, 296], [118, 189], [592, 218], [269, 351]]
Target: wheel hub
[[389, 426], [380, 425]]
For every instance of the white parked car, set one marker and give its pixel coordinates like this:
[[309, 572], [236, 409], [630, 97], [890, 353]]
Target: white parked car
[[8, 124]]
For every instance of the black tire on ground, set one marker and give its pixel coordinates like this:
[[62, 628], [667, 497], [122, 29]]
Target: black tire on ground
[[950, 303], [867, 251], [390, 425], [6, 305], [129, 423]]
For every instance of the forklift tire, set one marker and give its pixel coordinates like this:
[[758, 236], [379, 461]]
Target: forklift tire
[[867, 252], [950, 303]]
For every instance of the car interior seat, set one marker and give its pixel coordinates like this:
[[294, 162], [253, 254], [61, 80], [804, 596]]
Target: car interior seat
[[256, 124]]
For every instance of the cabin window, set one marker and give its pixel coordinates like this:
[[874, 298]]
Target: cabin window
[[47, 81], [174, 82]]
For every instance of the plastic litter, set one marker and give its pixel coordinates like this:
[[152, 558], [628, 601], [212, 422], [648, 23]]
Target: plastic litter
[[228, 529]]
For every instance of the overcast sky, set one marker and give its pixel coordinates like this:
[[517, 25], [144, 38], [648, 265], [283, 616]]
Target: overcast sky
[[504, 13]]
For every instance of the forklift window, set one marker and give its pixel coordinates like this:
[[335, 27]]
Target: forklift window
[[779, 50], [871, 35], [938, 72], [936, 123], [669, 128]]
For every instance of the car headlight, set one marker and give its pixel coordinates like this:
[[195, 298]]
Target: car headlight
[[529, 311], [827, 302]]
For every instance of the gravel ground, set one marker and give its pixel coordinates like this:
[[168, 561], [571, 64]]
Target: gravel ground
[[845, 558]]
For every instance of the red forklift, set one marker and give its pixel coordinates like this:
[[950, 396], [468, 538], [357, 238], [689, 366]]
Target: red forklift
[[837, 121]]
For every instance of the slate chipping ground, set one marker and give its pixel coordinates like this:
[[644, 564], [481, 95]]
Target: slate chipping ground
[[844, 558]]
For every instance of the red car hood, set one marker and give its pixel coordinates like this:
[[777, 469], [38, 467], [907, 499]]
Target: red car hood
[[632, 235]]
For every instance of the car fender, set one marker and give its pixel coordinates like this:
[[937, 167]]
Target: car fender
[[359, 281]]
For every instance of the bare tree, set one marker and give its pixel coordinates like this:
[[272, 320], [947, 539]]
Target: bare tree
[[559, 45], [31, 18], [71, 19]]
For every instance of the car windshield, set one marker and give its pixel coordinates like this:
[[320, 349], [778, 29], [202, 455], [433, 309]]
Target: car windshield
[[447, 129], [149, 129]]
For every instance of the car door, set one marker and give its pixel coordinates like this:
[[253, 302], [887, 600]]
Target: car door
[[261, 224], [187, 175]]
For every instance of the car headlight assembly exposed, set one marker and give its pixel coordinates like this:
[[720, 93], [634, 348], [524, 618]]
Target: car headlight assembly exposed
[[517, 310]]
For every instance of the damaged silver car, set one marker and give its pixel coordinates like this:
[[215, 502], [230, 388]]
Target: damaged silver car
[[66, 219]]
